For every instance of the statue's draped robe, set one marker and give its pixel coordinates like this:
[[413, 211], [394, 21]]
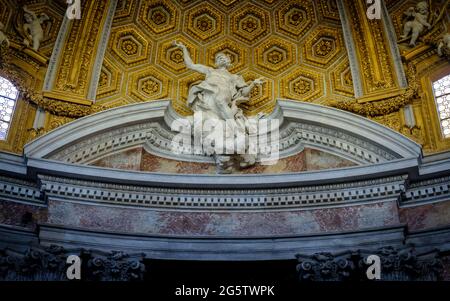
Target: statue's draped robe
[[214, 97], [215, 94]]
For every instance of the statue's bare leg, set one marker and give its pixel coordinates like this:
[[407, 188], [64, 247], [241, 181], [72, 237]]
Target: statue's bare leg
[[36, 43], [414, 37], [406, 30]]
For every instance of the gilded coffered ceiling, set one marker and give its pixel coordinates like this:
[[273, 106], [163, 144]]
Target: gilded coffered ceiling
[[297, 45]]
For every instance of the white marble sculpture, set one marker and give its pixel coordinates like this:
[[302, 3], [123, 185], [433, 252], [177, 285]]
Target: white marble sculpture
[[4, 45], [33, 28], [416, 21], [217, 98], [444, 45], [4, 41]]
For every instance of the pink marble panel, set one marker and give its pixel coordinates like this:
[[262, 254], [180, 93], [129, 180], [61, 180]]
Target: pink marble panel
[[261, 223], [446, 269], [130, 160], [17, 214], [317, 160], [426, 216], [138, 159]]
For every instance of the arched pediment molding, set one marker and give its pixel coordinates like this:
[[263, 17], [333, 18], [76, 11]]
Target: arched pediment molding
[[377, 150], [147, 124], [356, 127]]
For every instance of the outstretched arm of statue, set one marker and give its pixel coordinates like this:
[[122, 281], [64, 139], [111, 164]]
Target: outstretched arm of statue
[[248, 89], [43, 17], [423, 20], [31, 13], [188, 60]]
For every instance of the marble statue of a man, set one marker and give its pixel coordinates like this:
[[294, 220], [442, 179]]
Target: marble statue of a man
[[218, 96]]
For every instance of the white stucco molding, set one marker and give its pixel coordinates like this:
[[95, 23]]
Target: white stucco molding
[[88, 126], [108, 175], [353, 124]]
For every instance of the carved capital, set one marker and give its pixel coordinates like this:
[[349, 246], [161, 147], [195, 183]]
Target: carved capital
[[396, 264], [50, 264]]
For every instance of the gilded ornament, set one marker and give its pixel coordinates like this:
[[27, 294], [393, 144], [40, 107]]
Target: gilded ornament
[[385, 106]]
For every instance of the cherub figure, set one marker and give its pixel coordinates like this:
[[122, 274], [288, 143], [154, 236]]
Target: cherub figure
[[417, 19], [33, 28], [4, 41], [4, 45], [444, 45]]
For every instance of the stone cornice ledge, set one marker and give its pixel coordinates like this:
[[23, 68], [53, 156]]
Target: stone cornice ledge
[[431, 168], [12, 164], [83, 172], [220, 248]]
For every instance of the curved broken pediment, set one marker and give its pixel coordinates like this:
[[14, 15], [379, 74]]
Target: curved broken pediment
[[145, 125], [352, 147]]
